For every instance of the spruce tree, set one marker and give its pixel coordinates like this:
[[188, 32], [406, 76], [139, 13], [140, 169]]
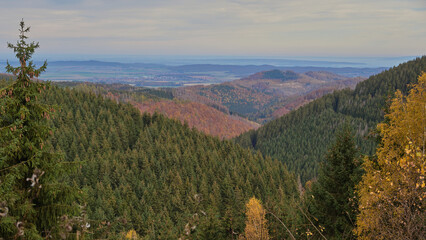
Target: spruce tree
[[332, 200], [33, 192]]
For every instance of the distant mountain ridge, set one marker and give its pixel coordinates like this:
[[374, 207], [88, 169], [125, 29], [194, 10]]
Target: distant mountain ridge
[[275, 75], [235, 69], [259, 95], [161, 75], [301, 137], [94, 63]]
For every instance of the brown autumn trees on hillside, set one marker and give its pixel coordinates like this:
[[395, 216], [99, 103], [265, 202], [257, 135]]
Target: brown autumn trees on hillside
[[392, 192], [204, 118]]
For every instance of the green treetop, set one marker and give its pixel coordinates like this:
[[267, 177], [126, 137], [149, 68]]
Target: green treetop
[[332, 198], [33, 193]]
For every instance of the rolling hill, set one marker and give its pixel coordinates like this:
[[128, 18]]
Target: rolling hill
[[261, 96], [200, 116], [153, 174], [301, 137], [197, 115]]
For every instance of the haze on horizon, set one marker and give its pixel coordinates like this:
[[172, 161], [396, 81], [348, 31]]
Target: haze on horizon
[[233, 27]]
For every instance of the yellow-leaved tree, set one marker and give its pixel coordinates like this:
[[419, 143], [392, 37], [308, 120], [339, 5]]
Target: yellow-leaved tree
[[256, 224], [132, 234], [392, 192]]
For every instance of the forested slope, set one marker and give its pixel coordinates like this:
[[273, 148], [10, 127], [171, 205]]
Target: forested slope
[[260, 95], [300, 138], [200, 116], [159, 177]]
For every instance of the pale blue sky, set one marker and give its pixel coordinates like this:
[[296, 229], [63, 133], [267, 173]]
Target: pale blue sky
[[208, 27]]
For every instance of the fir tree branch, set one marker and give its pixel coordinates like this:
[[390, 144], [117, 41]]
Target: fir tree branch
[[288, 230], [311, 222], [13, 166]]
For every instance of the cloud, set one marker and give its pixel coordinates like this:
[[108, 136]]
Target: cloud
[[241, 27]]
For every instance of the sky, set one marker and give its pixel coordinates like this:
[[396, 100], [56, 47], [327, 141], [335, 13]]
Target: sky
[[318, 28]]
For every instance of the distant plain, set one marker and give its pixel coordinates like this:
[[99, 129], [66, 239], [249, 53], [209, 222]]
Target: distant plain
[[173, 71]]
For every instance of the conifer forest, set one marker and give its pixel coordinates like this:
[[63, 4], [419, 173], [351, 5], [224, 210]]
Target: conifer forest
[[85, 161]]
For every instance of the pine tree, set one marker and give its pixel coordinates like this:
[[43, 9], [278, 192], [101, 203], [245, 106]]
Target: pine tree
[[33, 193], [210, 227], [393, 191], [332, 198]]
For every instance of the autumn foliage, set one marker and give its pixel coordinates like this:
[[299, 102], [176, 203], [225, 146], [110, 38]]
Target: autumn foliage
[[131, 234], [256, 224], [204, 118], [392, 192]]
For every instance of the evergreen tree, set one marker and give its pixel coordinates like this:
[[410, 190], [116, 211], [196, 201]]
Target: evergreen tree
[[300, 138], [149, 183], [32, 194], [331, 200], [210, 227]]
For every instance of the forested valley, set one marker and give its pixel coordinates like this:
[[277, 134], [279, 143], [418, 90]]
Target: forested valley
[[76, 164], [300, 138]]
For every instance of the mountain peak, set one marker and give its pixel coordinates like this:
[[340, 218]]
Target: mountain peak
[[275, 74]]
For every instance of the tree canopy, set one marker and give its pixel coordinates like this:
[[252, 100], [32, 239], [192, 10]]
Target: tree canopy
[[256, 223], [33, 194], [332, 198], [393, 192], [301, 137]]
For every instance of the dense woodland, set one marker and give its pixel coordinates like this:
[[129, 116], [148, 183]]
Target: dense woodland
[[77, 164], [262, 96], [204, 118], [152, 174], [300, 138]]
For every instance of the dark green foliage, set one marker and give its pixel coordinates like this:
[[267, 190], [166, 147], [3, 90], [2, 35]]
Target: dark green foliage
[[241, 108], [123, 92], [301, 137], [239, 100], [332, 198], [211, 227], [153, 174], [222, 88], [161, 93], [33, 194], [277, 74]]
